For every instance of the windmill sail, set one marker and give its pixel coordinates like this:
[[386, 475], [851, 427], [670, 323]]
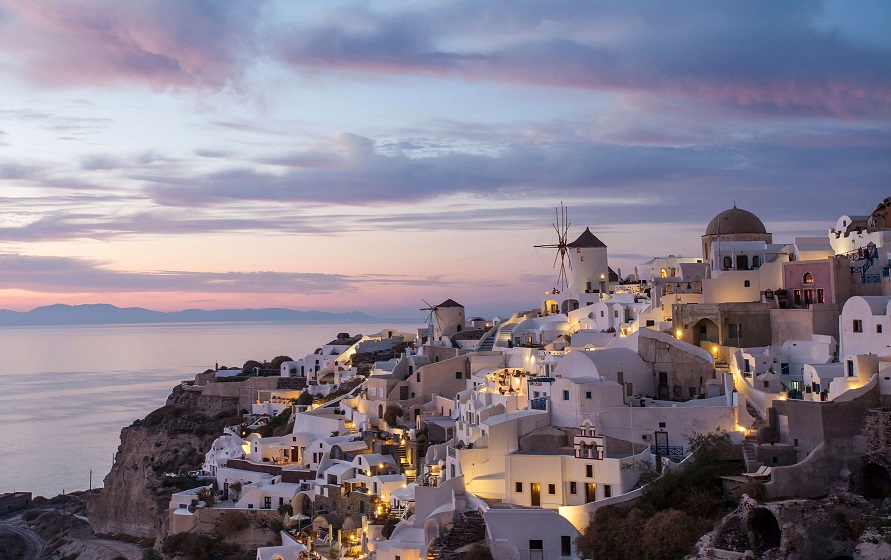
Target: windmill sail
[[561, 226]]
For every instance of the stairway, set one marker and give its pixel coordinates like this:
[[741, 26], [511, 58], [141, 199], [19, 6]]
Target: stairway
[[407, 468], [488, 343], [470, 528], [750, 454]]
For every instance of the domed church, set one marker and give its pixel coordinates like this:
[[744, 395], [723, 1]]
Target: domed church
[[733, 224]]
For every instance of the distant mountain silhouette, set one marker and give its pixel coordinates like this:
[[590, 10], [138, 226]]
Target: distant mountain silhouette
[[105, 314]]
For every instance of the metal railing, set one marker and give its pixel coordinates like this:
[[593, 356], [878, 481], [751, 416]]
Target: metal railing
[[667, 450]]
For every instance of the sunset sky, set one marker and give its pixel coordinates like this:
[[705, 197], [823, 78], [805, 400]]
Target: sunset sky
[[367, 155]]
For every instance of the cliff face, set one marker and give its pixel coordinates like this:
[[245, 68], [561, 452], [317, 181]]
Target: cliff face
[[173, 438]]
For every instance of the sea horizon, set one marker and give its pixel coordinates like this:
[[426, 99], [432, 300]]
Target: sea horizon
[[70, 389]]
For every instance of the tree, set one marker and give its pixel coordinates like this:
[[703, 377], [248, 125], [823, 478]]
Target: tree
[[276, 362], [392, 414], [249, 366], [305, 398]]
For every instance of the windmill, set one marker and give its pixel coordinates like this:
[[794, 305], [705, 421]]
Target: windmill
[[561, 226], [433, 312]]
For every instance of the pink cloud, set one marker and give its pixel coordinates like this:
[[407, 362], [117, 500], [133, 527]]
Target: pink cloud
[[164, 43]]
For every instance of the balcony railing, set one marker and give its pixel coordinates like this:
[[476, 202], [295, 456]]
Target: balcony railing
[[667, 450]]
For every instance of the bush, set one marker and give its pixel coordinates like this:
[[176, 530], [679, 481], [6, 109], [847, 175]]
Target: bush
[[31, 514], [392, 414], [478, 551], [671, 534], [305, 398]]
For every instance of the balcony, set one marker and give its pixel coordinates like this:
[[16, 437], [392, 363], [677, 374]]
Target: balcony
[[667, 450]]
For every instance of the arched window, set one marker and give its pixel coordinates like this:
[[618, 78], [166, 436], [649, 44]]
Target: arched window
[[728, 262], [808, 278], [380, 411]]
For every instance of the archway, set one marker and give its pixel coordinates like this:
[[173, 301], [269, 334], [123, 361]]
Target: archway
[[873, 481], [765, 530], [550, 307], [569, 305], [705, 330]]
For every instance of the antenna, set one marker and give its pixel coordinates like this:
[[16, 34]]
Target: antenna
[[561, 226]]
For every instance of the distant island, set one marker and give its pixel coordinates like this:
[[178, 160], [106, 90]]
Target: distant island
[[106, 314]]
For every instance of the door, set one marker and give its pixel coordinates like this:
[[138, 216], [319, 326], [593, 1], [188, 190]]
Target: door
[[536, 494], [661, 442], [590, 492]]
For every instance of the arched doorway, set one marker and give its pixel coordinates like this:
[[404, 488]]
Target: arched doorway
[[765, 530], [705, 330], [873, 481], [569, 305], [550, 307]]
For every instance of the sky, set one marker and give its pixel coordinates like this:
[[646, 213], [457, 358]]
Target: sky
[[342, 155]]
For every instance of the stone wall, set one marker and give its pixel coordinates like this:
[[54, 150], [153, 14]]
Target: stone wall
[[347, 504]]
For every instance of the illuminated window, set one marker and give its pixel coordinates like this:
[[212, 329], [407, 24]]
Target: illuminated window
[[664, 273], [808, 278]]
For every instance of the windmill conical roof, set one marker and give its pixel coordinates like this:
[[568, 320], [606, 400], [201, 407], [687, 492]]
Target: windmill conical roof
[[587, 239], [450, 303]]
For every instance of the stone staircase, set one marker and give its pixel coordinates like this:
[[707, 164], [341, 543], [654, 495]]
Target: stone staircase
[[489, 343], [750, 454], [470, 528], [407, 468]]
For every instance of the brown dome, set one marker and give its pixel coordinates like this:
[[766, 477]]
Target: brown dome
[[735, 220]]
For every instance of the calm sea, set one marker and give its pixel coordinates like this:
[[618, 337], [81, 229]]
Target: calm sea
[[66, 392]]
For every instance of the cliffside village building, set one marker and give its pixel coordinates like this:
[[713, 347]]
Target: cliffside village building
[[516, 430]]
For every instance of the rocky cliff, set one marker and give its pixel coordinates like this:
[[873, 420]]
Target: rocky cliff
[[173, 438]]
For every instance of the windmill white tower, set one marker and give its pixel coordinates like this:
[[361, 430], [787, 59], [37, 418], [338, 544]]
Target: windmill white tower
[[444, 319]]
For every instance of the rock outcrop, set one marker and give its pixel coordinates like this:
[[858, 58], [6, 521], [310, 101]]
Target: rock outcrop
[[172, 439]]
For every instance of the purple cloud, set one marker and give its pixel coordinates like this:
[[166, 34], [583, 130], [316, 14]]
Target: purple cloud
[[167, 43]]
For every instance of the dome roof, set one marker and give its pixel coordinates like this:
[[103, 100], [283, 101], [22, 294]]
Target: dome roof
[[735, 220]]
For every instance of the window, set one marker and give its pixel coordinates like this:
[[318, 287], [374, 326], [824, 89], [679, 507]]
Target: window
[[518, 486], [728, 262], [607, 491], [879, 329], [601, 313], [850, 368], [281, 501], [565, 545], [796, 296], [821, 297], [747, 284], [565, 395], [858, 325], [453, 470], [661, 424], [552, 488], [651, 323], [573, 487], [784, 369], [664, 273], [535, 544], [808, 278], [756, 261], [589, 471], [616, 313], [734, 330], [457, 375], [588, 393]]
